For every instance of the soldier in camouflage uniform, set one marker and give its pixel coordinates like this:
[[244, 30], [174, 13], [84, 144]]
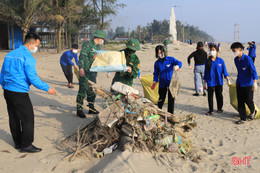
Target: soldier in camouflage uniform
[[132, 63], [86, 59], [166, 45]]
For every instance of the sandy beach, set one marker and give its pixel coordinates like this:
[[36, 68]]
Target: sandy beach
[[216, 138]]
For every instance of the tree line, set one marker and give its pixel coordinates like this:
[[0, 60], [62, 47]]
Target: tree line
[[157, 31], [64, 17]]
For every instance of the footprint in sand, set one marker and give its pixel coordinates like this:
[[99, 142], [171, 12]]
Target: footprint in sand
[[220, 143]]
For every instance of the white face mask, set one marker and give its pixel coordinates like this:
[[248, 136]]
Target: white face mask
[[34, 50], [235, 54], [74, 51], [160, 56], [102, 42], [212, 53]]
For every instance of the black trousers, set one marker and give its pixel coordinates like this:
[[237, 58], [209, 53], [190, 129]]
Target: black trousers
[[21, 117], [162, 96], [245, 95], [218, 92], [253, 58], [67, 70]]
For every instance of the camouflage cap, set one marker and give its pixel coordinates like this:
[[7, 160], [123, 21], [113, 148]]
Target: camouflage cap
[[133, 44], [100, 34], [166, 42]]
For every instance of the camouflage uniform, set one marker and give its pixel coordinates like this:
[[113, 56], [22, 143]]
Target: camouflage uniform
[[85, 62], [131, 61], [165, 43]]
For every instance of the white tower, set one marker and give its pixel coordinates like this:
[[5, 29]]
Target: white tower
[[173, 30]]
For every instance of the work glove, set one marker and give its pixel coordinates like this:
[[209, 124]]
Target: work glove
[[255, 86], [176, 68], [153, 86]]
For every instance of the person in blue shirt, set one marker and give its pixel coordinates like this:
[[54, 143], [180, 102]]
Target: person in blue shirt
[[215, 69], [251, 50], [66, 63], [163, 69], [246, 82], [17, 74]]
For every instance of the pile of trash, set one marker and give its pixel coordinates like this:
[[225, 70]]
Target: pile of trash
[[129, 122]]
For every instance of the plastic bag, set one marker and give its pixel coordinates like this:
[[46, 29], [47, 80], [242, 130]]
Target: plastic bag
[[124, 89], [175, 84], [109, 61], [76, 72], [233, 101], [153, 95]]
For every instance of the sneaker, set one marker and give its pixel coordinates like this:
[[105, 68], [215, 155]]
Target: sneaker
[[196, 94], [81, 114], [93, 111]]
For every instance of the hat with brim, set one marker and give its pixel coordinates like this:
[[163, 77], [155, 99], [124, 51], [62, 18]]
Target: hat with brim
[[133, 44], [166, 42], [100, 34]]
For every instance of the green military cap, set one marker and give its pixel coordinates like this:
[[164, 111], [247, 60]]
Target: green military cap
[[100, 34], [133, 44], [166, 42]]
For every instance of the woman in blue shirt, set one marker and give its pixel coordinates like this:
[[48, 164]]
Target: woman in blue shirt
[[163, 69], [66, 63], [213, 78], [251, 50]]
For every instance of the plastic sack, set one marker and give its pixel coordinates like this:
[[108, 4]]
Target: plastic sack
[[76, 72], [124, 89], [109, 61], [233, 101], [175, 84], [153, 95]]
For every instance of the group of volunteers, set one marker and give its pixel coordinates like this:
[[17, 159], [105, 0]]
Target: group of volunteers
[[210, 71], [19, 72]]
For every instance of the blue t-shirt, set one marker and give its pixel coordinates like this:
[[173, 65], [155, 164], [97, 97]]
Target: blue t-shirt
[[163, 69], [251, 51], [19, 72], [67, 56], [246, 71], [214, 77]]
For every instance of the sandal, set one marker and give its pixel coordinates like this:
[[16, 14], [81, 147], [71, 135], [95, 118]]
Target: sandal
[[252, 116], [220, 111], [209, 113], [70, 86], [240, 122]]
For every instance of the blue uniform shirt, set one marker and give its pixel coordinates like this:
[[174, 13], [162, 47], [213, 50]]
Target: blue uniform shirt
[[246, 71], [19, 72], [163, 69], [215, 76], [67, 56], [251, 51]]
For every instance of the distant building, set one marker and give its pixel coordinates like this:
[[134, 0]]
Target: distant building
[[11, 36]]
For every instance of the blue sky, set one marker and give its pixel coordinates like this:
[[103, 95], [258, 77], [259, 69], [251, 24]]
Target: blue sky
[[216, 17]]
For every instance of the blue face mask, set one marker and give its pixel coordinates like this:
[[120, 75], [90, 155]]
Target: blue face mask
[[167, 46]]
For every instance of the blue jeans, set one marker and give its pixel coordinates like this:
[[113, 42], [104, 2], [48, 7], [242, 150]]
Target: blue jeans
[[198, 77]]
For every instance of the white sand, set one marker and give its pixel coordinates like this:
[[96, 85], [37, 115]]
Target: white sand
[[218, 138]]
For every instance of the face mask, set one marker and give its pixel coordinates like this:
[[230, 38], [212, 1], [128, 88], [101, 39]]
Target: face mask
[[235, 54], [167, 46], [131, 51], [74, 51], [34, 50], [160, 56], [102, 42], [212, 53]]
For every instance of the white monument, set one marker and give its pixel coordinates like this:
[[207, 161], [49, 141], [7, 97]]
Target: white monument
[[173, 30]]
